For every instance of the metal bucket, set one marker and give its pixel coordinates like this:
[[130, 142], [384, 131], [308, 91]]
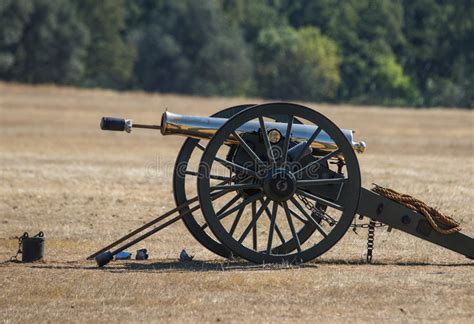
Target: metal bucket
[[32, 248]]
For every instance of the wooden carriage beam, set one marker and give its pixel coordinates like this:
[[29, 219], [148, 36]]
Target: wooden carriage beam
[[391, 213]]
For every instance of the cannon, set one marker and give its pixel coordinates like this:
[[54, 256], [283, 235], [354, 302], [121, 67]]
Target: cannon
[[275, 182]]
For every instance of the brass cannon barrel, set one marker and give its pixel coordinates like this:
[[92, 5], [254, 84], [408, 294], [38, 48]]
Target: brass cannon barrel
[[206, 127]]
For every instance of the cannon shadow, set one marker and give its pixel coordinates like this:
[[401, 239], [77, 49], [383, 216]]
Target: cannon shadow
[[176, 266]]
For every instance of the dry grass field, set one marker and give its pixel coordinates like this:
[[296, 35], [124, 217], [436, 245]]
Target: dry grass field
[[83, 187]]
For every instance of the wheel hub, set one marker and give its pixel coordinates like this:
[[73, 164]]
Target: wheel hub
[[279, 185]]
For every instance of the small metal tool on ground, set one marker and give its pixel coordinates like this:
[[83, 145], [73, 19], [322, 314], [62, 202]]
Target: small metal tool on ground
[[123, 255], [184, 256], [142, 254]]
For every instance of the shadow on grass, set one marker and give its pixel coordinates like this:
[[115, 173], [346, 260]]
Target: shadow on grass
[[174, 266], [209, 266], [392, 263]]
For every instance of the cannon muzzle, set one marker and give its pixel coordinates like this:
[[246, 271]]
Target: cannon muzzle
[[116, 124], [122, 124]]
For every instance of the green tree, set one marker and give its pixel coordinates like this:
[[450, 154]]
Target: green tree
[[369, 35], [253, 16], [161, 64], [191, 47], [393, 85], [410, 52], [110, 57], [366, 31], [13, 17], [440, 51], [41, 41], [296, 64]]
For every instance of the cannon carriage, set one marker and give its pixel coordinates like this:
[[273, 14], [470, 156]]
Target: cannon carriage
[[276, 182]]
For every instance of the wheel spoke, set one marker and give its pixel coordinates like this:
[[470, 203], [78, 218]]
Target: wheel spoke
[[308, 143], [236, 167], [237, 186], [228, 204], [309, 217], [247, 149], [266, 140], [225, 190], [292, 227], [320, 200], [327, 218], [230, 165], [277, 229], [221, 214], [320, 182], [219, 194], [254, 220], [201, 147], [245, 202], [254, 228], [212, 176], [286, 144], [272, 227], [329, 156], [237, 219], [298, 217], [319, 161]]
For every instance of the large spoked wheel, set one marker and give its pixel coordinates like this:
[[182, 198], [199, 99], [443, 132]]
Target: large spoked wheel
[[184, 184], [183, 178], [280, 184]]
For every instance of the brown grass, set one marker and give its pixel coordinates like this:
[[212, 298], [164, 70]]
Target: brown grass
[[83, 188]]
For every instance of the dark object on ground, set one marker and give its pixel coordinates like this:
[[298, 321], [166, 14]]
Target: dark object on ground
[[31, 248], [142, 254], [104, 258], [123, 255], [184, 256]]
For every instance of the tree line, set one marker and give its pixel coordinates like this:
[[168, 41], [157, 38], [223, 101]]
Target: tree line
[[406, 52]]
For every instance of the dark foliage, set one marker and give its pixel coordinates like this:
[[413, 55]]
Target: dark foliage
[[408, 52]]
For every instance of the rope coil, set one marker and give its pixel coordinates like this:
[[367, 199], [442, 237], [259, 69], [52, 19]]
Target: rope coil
[[433, 216]]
